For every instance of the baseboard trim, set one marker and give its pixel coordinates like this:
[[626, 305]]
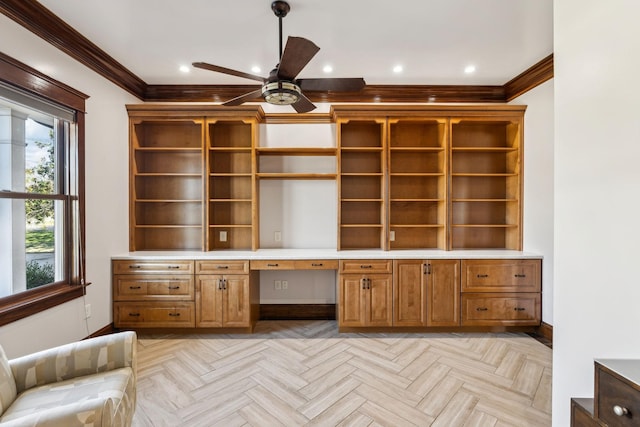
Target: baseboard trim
[[297, 312], [545, 330], [106, 330]]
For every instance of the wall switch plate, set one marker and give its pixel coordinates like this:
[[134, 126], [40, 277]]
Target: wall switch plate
[[277, 284], [392, 235], [87, 311], [223, 236], [285, 285], [277, 236]]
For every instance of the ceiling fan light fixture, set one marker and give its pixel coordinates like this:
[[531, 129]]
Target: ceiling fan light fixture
[[281, 93]]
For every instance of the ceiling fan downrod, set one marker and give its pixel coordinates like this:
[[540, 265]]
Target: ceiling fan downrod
[[280, 9]]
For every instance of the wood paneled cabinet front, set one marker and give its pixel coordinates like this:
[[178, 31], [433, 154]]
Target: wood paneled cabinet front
[[426, 292], [153, 294], [502, 292], [226, 300], [366, 293]]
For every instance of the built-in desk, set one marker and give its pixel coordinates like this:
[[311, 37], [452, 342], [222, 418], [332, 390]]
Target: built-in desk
[[188, 289]]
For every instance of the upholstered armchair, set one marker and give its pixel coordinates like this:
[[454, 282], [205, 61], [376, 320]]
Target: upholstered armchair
[[87, 383]]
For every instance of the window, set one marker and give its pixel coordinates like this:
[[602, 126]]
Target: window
[[41, 194]]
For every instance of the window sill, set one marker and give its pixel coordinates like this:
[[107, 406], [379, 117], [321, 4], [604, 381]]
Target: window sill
[[25, 304]]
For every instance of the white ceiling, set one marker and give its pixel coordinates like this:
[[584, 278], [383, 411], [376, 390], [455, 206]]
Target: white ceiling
[[434, 40]]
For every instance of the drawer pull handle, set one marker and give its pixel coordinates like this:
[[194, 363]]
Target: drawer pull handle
[[314, 264], [134, 314], [135, 266], [482, 276], [173, 267], [519, 309], [174, 314], [174, 287], [366, 266], [222, 267], [272, 265], [482, 309], [520, 276], [135, 287], [620, 411]]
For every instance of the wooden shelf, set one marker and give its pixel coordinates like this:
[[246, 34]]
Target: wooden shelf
[[295, 151]]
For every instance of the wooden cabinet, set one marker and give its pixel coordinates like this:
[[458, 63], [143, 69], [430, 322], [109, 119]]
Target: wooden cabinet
[[226, 300], [417, 168], [365, 293], [166, 184], [230, 188], [191, 177], [486, 182], [426, 293], [452, 177], [153, 294], [361, 184], [501, 292], [616, 399]]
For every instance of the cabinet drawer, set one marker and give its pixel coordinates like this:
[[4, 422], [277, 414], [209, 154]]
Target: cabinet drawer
[[517, 275], [582, 413], [366, 266], [614, 391], [222, 267], [506, 309], [316, 264], [154, 314], [127, 287], [146, 266], [277, 264]]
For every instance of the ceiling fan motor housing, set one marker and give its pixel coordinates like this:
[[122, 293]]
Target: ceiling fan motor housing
[[281, 93]]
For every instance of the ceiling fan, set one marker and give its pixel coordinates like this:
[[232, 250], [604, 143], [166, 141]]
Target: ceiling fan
[[282, 87]]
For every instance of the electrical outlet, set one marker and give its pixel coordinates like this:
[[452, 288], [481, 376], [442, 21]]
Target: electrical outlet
[[223, 236], [392, 235], [277, 284], [277, 236], [285, 285], [87, 311]]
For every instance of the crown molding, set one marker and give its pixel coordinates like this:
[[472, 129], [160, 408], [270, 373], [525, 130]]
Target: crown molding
[[49, 27], [42, 22]]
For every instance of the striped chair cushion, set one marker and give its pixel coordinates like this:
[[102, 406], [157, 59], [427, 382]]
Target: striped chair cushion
[[7, 383]]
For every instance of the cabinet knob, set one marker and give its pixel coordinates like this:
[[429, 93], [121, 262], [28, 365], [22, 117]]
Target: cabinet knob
[[135, 287], [314, 264], [519, 309], [620, 411], [272, 265], [134, 314], [135, 266], [520, 276], [366, 266], [222, 267], [482, 276], [482, 309], [174, 314], [173, 267], [174, 287]]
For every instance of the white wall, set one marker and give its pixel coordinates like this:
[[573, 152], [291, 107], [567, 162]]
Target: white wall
[[597, 177], [106, 186], [538, 185]]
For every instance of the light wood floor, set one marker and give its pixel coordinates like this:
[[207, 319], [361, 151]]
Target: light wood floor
[[297, 373]]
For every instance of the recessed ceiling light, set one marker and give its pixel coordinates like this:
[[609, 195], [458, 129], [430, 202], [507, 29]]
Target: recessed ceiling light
[[327, 69], [184, 69], [255, 69], [398, 69], [469, 69]]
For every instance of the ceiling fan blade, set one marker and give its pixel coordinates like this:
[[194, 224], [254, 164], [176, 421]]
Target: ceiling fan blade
[[303, 105], [243, 98], [297, 53], [337, 84], [229, 71]]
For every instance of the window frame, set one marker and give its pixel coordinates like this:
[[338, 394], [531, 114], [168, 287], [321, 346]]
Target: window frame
[[25, 78]]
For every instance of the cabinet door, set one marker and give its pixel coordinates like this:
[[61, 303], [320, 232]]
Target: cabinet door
[[379, 305], [209, 301], [236, 305], [443, 292], [352, 300], [409, 293]]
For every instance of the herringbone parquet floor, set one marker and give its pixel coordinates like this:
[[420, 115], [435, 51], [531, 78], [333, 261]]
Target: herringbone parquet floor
[[299, 373]]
